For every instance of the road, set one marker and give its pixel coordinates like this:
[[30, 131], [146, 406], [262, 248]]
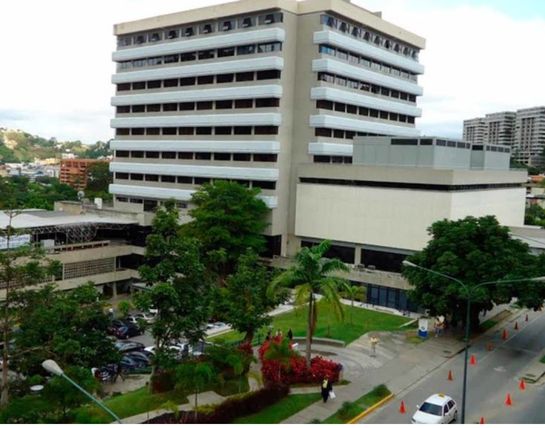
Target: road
[[496, 373]]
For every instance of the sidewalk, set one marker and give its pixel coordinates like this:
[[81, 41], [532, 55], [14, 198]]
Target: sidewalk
[[397, 374]]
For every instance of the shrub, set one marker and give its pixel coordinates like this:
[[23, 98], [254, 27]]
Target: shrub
[[163, 381], [296, 371], [230, 409], [348, 410]]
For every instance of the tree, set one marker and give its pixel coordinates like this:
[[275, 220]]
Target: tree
[[99, 179], [67, 326], [310, 275], [59, 392], [179, 286], [228, 218], [20, 266], [352, 291], [194, 376], [473, 250], [124, 307], [245, 296], [535, 215]]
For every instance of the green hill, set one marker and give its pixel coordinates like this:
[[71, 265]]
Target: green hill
[[20, 146]]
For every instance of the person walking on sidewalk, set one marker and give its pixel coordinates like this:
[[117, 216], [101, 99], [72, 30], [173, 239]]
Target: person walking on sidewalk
[[290, 335], [374, 341], [326, 389]]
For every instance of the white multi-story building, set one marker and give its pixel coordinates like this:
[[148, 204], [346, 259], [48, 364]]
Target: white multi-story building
[[249, 90], [274, 94]]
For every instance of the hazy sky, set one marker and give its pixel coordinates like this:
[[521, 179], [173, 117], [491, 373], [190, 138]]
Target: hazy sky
[[55, 66]]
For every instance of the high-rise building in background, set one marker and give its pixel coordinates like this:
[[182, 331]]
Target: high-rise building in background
[[249, 90], [523, 130], [530, 136]]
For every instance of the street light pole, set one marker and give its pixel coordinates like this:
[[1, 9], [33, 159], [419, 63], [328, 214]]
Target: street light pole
[[467, 290], [52, 367]]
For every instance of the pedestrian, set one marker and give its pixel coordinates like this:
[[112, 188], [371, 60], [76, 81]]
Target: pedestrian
[[326, 389], [290, 335], [278, 333], [374, 341], [268, 337]]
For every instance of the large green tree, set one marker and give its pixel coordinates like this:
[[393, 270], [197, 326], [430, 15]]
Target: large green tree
[[98, 181], [228, 218], [67, 326], [312, 274], [20, 192], [20, 266], [473, 250], [179, 286], [245, 296]]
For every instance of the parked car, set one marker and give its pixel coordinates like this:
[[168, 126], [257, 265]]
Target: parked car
[[141, 316], [128, 346], [437, 409], [129, 364], [139, 356], [180, 350], [123, 329]]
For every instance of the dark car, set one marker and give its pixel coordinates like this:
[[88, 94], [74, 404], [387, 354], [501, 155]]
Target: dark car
[[123, 329], [139, 356], [128, 364], [128, 346]]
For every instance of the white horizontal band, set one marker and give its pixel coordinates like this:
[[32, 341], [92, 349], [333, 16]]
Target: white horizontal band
[[167, 193], [346, 70], [348, 97], [200, 43], [265, 174], [272, 62], [219, 146], [242, 119], [358, 125], [330, 149], [230, 93], [368, 50]]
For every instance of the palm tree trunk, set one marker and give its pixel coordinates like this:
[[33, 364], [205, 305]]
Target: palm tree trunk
[[196, 402], [309, 329]]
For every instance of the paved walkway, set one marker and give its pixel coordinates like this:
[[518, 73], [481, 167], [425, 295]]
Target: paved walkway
[[398, 365]]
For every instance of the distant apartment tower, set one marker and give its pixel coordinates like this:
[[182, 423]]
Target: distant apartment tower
[[530, 136], [523, 130], [75, 172], [474, 130], [248, 91]]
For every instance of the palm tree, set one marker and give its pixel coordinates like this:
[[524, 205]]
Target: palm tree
[[195, 375], [311, 275], [352, 290]]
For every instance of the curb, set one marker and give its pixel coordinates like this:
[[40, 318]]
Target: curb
[[370, 409]]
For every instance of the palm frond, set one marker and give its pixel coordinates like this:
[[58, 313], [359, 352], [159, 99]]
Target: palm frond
[[302, 293]]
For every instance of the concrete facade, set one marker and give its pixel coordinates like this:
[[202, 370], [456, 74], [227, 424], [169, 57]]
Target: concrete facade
[[248, 90]]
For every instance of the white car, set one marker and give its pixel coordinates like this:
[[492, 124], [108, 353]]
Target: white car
[[437, 409]]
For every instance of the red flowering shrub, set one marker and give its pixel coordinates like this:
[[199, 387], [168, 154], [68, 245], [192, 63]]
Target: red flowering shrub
[[296, 371]]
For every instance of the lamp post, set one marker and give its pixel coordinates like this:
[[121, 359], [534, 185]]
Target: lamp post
[[467, 291], [52, 367]]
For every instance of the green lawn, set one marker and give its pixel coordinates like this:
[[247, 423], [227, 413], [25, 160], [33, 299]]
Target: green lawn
[[129, 404], [363, 321], [353, 409], [280, 411], [542, 359], [488, 324]]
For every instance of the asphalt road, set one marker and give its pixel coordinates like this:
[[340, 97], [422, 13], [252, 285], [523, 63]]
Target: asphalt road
[[496, 373]]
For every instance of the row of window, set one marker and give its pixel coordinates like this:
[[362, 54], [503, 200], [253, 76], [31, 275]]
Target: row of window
[[239, 157], [203, 28], [371, 36], [201, 130], [201, 55], [332, 159], [357, 59], [201, 105], [363, 111], [201, 80], [360, 85], [270, 185], [341, 133]]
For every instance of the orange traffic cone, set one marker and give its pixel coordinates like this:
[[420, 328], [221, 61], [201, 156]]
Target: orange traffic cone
[[526, 318], [522, 385], [473, 360], [504, 334], [450, 375], [508, 401], [481, 422], [402, 407], [516, 325]]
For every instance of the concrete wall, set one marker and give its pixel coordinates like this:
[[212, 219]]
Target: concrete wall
[[395, 218]]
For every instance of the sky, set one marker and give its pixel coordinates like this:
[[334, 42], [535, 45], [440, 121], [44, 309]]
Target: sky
[[482, 56]]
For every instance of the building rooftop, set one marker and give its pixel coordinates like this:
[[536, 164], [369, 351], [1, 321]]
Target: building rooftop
[[32, 218]]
